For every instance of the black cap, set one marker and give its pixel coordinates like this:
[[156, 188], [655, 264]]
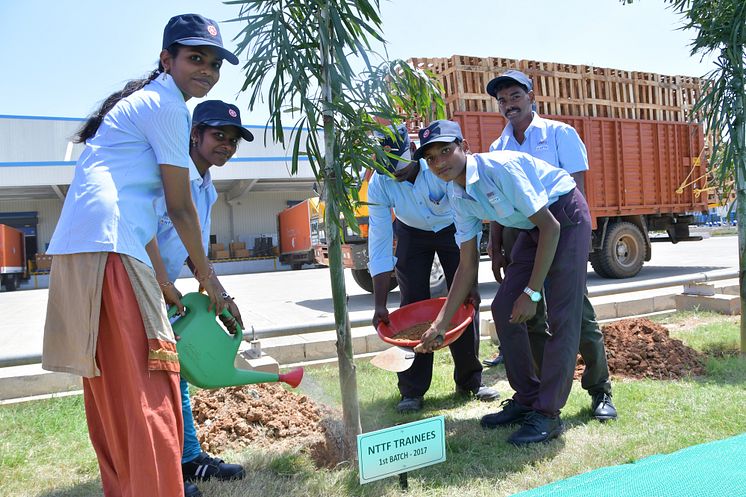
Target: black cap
[[219, 113], [196, 30]]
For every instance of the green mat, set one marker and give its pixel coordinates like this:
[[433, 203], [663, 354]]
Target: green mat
[[715, 469]]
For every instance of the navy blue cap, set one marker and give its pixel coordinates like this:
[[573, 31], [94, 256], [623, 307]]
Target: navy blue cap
[[398, 144], [512, 76], [219, 113], [438, 131], [195, 30]]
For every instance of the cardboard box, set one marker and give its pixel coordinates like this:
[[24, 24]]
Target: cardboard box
[[237, 246], [43, 262], [221, 254], [214, 247], [240, 254]]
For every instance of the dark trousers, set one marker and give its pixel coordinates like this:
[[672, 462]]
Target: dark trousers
[[564, 289], [592, 350], [415, 251]]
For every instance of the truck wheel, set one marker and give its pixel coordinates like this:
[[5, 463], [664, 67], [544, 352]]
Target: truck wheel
[[622, 253], [365, 281], [438, 284], [11, 282]]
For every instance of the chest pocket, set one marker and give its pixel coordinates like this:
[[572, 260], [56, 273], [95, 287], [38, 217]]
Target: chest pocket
[[499, 203], [442, 208]]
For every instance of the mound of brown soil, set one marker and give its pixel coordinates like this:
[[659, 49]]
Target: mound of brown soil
[[639, 348], [266, 415]]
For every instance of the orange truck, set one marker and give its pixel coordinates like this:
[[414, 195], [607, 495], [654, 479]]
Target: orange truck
[[644, 176], [297, 233], [12, 257]]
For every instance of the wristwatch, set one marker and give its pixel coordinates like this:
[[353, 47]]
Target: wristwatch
[[535, 296]]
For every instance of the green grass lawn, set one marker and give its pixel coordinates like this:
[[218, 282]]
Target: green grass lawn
[[44, 447]]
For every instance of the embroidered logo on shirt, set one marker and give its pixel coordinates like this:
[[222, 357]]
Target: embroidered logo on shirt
[[542, 145], [212, 30]]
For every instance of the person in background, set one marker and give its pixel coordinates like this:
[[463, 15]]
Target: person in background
[[558, 144], [216, 133], [551, 252], [106, 318], [423, 227]]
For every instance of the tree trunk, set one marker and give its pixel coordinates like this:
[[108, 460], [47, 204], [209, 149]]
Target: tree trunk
[[347, 374], [738, 137]]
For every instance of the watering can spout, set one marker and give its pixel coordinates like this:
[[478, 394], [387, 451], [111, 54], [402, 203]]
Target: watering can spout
[[246, 377]]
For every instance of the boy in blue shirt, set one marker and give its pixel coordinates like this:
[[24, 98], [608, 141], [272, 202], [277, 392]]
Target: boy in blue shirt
[[558, 144], [551, 251]]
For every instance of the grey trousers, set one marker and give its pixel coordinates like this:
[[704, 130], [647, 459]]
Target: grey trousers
[[592, 349]]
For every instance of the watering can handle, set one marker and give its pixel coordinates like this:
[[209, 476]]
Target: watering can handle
[[238, 336]]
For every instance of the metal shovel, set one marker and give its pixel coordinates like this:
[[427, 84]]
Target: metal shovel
[[395, 359]]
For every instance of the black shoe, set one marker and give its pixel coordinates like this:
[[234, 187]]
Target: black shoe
[[511, 413], [602, 407], [204, 467], [191, 490], [495, 361], [537, 428], [409, 404], [485, 394]]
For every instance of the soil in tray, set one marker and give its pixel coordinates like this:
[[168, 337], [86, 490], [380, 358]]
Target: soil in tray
[[413, 333]]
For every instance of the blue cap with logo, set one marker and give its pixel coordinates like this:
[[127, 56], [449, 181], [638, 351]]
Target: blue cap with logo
[[398, 145], [196, 30], [512, 76], [438, 131], [219, 113]]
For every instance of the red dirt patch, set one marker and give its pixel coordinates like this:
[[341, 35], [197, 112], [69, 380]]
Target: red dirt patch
[[268, 416], [639, 348]]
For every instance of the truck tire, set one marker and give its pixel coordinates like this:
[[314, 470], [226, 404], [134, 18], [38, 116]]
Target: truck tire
[[622, 253], [11, 282], [365, 281], [438, 283]]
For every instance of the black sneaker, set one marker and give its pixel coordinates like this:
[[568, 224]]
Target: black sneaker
[[409, 404], [485, 394], [511, 413], [537, 428], [602, 407], [204, 467], [191, 490]]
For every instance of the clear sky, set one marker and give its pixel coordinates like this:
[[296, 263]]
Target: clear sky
[[63, 57]]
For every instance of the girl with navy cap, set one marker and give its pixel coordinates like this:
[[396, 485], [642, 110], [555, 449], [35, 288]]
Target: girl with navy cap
[[215, 136], [106, 318], [423, 228]]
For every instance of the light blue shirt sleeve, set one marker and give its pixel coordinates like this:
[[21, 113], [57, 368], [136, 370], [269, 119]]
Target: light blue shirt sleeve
[[168, 134], [380, 228], [521, 185], [571, 151]]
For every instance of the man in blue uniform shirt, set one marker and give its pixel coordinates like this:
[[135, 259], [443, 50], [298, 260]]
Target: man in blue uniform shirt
[[558, 144]]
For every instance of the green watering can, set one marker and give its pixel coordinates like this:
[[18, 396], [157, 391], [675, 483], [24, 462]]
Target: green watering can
[[207, 352]]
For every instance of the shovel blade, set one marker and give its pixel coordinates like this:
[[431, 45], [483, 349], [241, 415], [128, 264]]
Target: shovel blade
[[395, 359]]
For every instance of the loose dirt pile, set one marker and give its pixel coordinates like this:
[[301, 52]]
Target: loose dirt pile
[[267, 416], [639, 348]]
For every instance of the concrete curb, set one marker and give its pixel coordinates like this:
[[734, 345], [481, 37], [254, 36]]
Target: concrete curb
[[320, 347]]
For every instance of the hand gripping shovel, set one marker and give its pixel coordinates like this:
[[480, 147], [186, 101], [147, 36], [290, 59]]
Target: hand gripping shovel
[[401, 357]]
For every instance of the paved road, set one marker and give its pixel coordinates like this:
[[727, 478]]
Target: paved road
[[296, 298]]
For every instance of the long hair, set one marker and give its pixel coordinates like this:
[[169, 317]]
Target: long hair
[[88, 130]]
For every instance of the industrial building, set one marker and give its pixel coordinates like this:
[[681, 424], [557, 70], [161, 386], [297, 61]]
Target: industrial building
[[37, 161]]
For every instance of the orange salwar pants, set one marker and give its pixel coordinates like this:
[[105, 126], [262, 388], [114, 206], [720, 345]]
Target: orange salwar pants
[[134, 415]]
